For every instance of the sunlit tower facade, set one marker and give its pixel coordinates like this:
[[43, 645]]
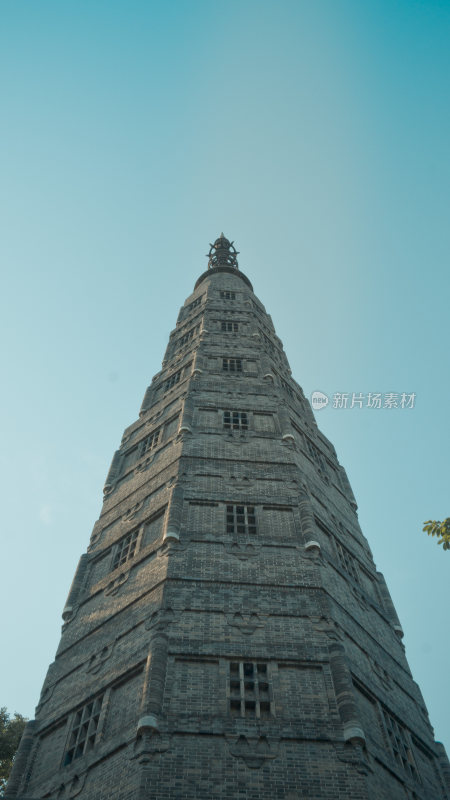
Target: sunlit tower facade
[[227, 633]]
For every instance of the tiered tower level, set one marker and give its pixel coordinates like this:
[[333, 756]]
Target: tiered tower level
[[227, 633]]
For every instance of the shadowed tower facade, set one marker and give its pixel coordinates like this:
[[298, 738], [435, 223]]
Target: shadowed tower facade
[[227, 633]]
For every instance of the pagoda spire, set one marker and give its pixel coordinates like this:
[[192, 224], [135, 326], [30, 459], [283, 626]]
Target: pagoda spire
[[222, 253]]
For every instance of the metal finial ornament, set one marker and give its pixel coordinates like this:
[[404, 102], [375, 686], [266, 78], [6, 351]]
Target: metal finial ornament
[[222, 253]]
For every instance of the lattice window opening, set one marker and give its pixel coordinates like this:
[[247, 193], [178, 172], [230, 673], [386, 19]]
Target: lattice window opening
[[235, 420], [315, 454], [241, 520], [186, 337], [84, 730], [125, 549], [150, 442], [226, 295], [347, 562], [269, 331], [258, 309], [173, 380], [362, 547], [288, 389], [183, 327], [232, 365], [195, 303], [268, 344], [249, 690], [400, 745], [271, 348], [229, 327], [324, 537]]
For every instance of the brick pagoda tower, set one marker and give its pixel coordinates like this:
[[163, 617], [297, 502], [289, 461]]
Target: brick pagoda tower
[[227, 633]]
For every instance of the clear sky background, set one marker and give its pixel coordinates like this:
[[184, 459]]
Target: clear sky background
[[314, 134]]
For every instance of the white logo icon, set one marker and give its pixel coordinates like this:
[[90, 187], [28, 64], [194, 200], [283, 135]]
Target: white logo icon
[[319, 400]]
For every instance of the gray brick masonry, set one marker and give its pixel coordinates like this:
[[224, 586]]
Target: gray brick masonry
[[227, 634]]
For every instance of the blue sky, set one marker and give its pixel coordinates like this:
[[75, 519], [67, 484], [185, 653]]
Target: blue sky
[[314, 134]]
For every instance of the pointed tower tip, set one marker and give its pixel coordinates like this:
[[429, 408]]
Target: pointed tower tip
[[222, 253]]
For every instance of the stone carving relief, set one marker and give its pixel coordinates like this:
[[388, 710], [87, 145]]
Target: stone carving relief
[[243, 550], [113, 586], [150, 744], [173, 546], [145, 463], [255, 751], [159, 620], [328, 628], [383, 677], [98, 659], [357, 757], [242, 483], [130, 513], [246, 623], [70, 619], [71, 788]]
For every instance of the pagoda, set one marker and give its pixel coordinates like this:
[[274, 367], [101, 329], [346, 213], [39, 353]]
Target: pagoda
[[227, 633]]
